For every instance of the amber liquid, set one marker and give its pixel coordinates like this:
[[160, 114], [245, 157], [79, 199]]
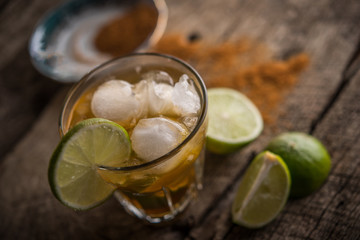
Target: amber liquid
[[160, 191]]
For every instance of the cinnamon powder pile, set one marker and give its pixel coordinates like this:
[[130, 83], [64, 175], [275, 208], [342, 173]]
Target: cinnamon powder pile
[[244, 65], [124, 34]]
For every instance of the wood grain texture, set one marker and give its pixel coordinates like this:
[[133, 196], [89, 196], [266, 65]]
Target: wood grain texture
[[23, 95], [325, 102], [23, 91], [330, 213], [17, 22]]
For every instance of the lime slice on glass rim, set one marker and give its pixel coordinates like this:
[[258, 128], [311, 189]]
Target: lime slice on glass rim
[[234, 120], [263, 191], [73, 175]]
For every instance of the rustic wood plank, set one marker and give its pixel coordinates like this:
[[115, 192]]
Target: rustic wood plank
[[17, 22], [3, 4], [320, 28], [23, 95], [28, 204], [303, 107], [23, 91], [311, 94], [333, 211]]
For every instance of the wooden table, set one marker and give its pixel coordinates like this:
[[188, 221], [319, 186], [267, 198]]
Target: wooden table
[[325, 103]]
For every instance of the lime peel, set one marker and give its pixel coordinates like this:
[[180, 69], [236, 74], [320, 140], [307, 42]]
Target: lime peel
[[307, 158], [259, 178], [263, 191], [234, 121], [73, 172]]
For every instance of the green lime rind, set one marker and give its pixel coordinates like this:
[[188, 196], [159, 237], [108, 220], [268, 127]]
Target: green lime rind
[[262, 192], [72, 172], [220, 147], [307, 159], [234, 121]]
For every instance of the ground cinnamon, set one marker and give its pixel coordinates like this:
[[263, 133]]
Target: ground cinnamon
[[127, 32], [244, 64]]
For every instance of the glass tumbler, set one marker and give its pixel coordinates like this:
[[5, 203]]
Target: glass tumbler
[[156, 190]]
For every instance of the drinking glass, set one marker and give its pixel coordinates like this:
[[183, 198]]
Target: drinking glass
[[157, 190]]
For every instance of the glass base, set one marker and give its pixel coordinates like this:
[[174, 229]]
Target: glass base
[[163, 205], [169, 214]]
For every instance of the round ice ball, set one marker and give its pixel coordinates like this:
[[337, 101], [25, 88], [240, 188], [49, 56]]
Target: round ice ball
[[185, 97], [115, 100], [154, 137], [160, 99]]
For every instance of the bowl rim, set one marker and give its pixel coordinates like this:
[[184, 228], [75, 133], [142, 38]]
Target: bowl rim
[[39, 56]]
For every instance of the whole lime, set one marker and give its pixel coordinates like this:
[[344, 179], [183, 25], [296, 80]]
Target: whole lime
[[308, 161]]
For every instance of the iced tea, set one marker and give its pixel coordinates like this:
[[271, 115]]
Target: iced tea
[[161, 102]]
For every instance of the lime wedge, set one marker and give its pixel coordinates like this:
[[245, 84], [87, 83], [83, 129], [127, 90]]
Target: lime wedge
[[73, 175], [262, 192], [234, 121]]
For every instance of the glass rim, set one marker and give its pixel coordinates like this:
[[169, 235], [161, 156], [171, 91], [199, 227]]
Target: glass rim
[[174, 151]]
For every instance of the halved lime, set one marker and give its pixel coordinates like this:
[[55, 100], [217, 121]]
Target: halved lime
[[263, 191], [234, 120], [308, 161], [73, 170]]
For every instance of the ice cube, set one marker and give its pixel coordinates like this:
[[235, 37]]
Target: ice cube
[[159, 77], [185, 97], [115, 100], [190, 122], [154, 137], [156, 97], [160, 99], [141, 93]]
